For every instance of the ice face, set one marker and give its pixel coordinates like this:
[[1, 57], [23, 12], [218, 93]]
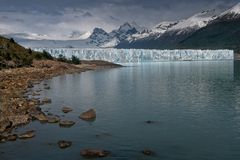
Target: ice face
[[140, 55]]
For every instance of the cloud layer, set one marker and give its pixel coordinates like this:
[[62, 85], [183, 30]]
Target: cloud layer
[[59, 18]]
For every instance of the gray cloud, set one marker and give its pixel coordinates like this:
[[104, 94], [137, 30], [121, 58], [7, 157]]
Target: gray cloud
[[58, 18]]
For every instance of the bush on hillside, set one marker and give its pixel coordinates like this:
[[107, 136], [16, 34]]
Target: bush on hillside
[[75, 60]]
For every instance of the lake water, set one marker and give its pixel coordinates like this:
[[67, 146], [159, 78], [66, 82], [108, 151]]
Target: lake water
[[196, 106]]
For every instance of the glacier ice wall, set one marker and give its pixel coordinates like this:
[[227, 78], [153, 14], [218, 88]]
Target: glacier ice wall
[[140, 55]]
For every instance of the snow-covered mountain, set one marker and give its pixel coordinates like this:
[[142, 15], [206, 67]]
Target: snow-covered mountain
[[166, 34], [130, 35], [154, 33], [76, 35], [232, 13], [101, 38], [195, 22]]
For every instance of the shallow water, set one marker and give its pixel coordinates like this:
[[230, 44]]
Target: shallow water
[[196, 106]]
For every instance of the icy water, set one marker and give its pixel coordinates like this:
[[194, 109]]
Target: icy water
[[196, 107]]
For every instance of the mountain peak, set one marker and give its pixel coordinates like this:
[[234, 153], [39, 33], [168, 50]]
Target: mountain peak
[[235, 9], [196, 21], [125, 27], [98, 31], [232, 13]]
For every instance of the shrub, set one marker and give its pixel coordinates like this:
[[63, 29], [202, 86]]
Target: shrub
[[75, 60], [12, 40], [47, 55], [62, 58], [29, 51]]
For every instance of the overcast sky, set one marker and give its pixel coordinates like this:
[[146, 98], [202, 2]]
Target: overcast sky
[[58, 18]]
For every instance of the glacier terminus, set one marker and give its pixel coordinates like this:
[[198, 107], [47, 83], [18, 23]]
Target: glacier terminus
[[140, 55]]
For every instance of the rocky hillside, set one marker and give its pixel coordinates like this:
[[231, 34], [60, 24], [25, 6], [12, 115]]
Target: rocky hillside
[[13, 55]]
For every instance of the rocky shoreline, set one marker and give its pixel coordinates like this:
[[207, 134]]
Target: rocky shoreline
[[16, 108]]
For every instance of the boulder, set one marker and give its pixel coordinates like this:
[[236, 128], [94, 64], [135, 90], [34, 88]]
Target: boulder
[[66, 123], [41, 117], [12, 137], [4, 124], [64, 144], [88, 115], [52, 119], [94, 153], [3, 139], [66, 109], [26, 135]]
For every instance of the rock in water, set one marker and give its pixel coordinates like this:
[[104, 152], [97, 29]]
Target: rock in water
[[12, 137], [148, 152], [94, 153], [46, 100], [66, 110], [52, 119], [64, 144], [88, 115], [41, 117], [66, 123], [3, 139], [27, 135]]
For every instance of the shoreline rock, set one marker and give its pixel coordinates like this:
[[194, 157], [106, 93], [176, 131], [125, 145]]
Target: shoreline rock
[[16, 87], [66, 124], [26, 135], [88, 115], [66, 110]]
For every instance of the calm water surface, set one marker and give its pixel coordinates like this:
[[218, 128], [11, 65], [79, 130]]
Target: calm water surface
[[196, 106]]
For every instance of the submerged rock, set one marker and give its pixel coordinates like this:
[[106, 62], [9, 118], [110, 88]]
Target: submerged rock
[[151, 122], [103, 135], [47, 87], [147, 152], [94, 153], [66, 123], [64, 144], [88, 115], [66, 109], [26, 135]]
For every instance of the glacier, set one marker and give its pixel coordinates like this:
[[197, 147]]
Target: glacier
[[140, 55]]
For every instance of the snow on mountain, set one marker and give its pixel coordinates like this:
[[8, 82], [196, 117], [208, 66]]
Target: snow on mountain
[[195, 22], [155, 32], [76, 35], [101, 38], [185, 26], [232, 13], [111, 44]]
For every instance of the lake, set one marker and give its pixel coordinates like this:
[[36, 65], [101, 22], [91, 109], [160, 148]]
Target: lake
[[195, 107]]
